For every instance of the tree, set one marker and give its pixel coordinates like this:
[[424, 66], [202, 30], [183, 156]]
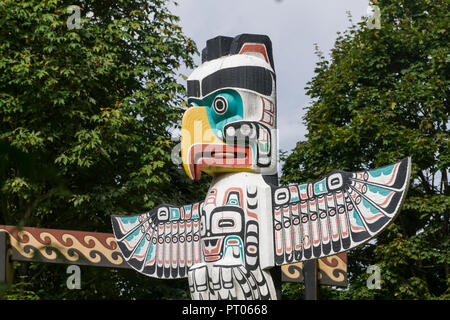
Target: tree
[[382, 96], [86, 109]]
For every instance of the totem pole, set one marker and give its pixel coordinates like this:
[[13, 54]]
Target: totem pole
[[226, 244]]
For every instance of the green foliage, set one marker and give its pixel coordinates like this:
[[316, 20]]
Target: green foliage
[[384, 96], [85, 125]]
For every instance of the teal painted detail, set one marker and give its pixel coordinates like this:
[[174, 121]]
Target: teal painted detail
[[303, 187], [357, 218], [133, 235], [254, 153], [294, 198], [320, 187], [241, 247], [385, 171], [235, 111], [141, 244], [369, 206], [233, 202], [128, 220], [263, 146], [187, 208], [174, 213], [382, 191], [195, 214]]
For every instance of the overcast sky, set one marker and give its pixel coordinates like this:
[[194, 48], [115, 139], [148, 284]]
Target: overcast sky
[[293, 26]]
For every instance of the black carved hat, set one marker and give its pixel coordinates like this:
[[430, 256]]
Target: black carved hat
[[221, 46]]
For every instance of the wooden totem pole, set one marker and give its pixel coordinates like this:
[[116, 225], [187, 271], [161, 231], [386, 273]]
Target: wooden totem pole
[[227, 243]]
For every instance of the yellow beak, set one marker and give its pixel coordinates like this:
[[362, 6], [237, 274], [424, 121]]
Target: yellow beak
[[195, 131], [202, 150]]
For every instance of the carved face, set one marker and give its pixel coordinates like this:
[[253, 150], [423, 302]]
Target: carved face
[[230, 125], [222, 227], [230, 247]]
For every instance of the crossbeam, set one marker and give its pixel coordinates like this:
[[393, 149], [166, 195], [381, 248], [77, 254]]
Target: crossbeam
[[64, 246], [101, 250], [331, 271]]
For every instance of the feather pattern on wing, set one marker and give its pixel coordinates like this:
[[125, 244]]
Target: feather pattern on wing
[[336, 213], [161, 243]]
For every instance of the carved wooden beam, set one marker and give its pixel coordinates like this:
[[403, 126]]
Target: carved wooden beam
[[64, 246], [6, 270], [101, 250], [332, 271]]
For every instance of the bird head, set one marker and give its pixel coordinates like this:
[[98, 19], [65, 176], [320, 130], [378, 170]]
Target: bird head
[[230, 125]]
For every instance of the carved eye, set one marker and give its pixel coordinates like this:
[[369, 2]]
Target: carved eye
[[226, 223], [220, 105]]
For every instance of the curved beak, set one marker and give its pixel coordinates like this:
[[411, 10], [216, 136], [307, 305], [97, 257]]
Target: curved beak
[[202, 150]]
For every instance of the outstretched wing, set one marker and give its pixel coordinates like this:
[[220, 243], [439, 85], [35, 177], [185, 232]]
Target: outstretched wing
[[161, 243], [336, 213]]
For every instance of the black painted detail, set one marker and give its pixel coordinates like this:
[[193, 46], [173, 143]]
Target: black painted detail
[[253, 78], [221, 46], [249, 132], [242, 39], [193, 88], [216, 47]]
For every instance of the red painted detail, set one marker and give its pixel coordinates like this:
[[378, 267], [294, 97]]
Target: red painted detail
[[211, 197], [217, 155], [310, 190], [252, 215], [394, 174], [325, 232], [227, 192], [209, 250], [388, 198], [267, 112], [212, 258], [255, 47], [278, 243], [315, 229]]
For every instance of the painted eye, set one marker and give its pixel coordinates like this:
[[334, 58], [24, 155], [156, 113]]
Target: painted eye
[[226, 223], [220, 105]]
